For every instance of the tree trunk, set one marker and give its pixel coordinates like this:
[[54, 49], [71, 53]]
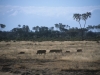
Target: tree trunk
[[82, 34], [80, 24], [85, 24]]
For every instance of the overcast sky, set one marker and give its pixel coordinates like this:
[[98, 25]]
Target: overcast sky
[[46, 12]]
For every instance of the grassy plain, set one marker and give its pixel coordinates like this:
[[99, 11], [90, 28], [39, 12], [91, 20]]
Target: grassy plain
[[72, 63]]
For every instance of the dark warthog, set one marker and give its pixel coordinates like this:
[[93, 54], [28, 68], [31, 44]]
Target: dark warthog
[[55, 51], [67, 52], [79, 50], [41, 52], [21, 53]]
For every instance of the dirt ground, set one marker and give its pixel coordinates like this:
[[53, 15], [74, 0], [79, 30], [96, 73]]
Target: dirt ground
[[68, 62]]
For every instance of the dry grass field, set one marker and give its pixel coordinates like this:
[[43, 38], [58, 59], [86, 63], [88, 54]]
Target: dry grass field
[[21, 58]]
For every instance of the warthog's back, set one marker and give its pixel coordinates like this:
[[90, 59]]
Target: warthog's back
[[79, 50], [55, 51], [41, 51]]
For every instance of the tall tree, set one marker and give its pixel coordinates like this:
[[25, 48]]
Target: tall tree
[[77, 17], [85, 16]]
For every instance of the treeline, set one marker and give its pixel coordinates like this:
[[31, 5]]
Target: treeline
[[59, 32]]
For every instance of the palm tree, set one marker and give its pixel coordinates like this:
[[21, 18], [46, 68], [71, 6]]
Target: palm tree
[[77, 17], [89, 14], [85, 16]]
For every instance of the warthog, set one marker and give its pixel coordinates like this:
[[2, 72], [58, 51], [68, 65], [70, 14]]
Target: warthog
[[79, 50], [41, 52], [67, 52], [21, 53], [55, 51]]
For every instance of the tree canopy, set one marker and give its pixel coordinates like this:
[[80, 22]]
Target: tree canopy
[[60, 32]]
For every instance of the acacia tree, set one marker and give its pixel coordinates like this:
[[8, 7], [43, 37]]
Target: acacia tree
[[84, 17]]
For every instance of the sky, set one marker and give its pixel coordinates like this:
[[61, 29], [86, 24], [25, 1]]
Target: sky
[[47, 12]]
